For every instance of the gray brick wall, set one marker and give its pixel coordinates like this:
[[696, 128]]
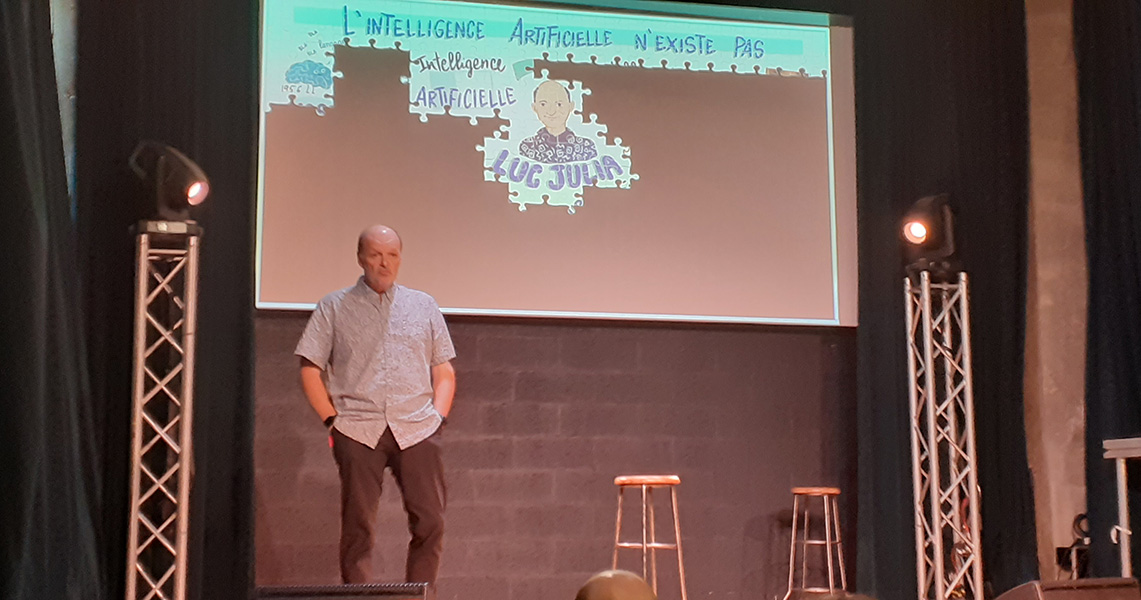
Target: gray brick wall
[[546, 415]]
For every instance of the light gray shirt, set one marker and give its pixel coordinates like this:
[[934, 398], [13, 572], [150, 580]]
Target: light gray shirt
[[377, 352]]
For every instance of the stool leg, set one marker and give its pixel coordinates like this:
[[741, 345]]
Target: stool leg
[[804, 548], [828, 544], [677, 540], [617, 529], [792, 545], [839, 545], [653, 540], [645, 573]]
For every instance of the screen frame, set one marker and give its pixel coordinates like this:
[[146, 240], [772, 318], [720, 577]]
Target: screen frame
[[844, 313]]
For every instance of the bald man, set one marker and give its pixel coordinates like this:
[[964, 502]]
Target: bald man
[[554, 143], [376, 368]]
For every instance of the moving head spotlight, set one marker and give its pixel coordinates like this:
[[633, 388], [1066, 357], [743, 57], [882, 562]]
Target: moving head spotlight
[[178, 182]]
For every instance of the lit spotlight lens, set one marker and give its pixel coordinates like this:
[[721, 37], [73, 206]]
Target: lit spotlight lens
[[915, 232], [196, 192]]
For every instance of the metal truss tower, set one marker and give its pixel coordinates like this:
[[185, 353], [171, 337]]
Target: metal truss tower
[[161, 456], [948, 538]]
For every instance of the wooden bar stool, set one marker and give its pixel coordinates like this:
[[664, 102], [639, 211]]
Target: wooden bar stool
[[649, 544], [830, 541]]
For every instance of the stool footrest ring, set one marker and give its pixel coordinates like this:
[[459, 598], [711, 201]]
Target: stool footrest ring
[[657, 545]]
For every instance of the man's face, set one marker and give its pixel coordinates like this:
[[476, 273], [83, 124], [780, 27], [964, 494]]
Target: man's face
[[553, 106], [379, 258]]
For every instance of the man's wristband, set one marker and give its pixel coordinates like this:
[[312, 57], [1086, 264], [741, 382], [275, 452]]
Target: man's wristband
[[329, 421]]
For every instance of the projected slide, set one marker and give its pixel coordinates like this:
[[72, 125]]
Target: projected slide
[[560, 162]]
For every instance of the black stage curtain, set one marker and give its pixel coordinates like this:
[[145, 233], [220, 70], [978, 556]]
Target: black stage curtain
[[941, 103], [1107, 41], [47, 464], [182, 72]]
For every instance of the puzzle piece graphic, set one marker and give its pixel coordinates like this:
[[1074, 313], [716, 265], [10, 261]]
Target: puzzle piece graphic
[[309, 46], [532, 182], [542, 159]]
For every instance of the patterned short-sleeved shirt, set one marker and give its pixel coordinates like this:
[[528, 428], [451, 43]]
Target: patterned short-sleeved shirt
[[553, 149], [377, 351]]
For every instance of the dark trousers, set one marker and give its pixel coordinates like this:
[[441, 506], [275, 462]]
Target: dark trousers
[[419, 473]]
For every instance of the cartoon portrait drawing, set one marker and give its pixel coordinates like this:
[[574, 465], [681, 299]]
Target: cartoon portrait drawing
[[554, 143]]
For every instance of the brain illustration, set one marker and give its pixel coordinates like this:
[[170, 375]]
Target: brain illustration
[[310, 72]]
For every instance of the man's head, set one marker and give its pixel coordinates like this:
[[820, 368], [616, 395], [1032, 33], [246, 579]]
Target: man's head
[[378, 254], [616, 585], [553, 106]]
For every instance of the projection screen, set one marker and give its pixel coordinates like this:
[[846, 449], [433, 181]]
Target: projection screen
[[644, 160]]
